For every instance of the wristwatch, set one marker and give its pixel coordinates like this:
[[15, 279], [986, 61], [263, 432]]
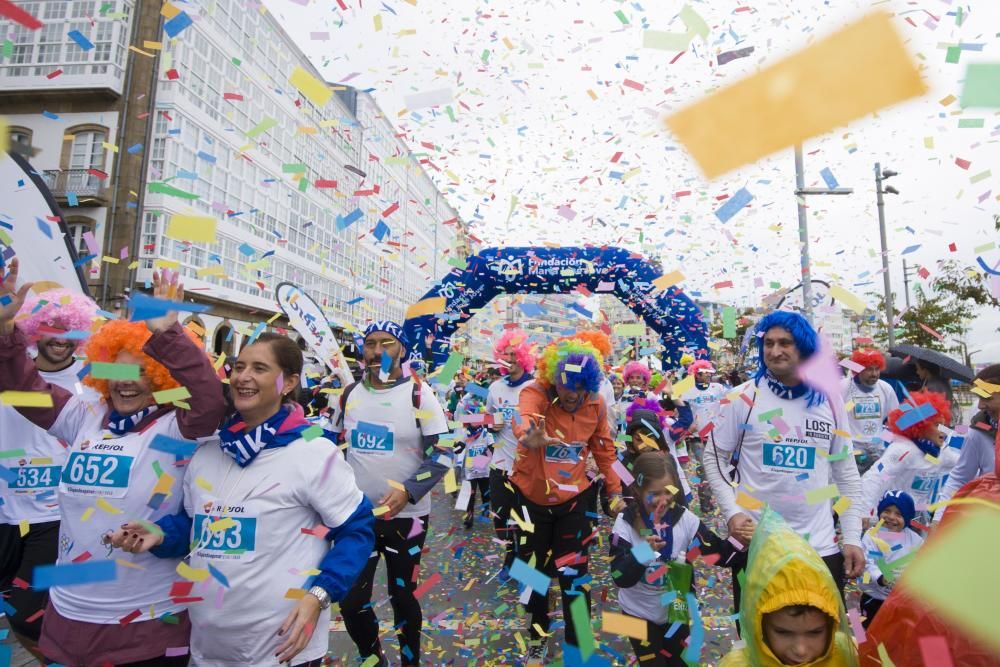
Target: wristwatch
[[320, 594]]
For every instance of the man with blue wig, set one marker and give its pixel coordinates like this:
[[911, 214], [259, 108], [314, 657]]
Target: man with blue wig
[[390, 423], [779, 442]]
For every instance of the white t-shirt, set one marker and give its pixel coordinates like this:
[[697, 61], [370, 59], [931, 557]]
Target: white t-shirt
[[476, 455], [866, 411], [645, 600], [889, 547], [704, 403], [262, 552], [607, 392], [383, 442], [32, 495], [904, 467], [503, 399], [784, 457], [107, 480]]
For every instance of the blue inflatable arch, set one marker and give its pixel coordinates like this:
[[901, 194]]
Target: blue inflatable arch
[[494, 271]]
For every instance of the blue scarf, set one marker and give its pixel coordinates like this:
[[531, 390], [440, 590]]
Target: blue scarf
[[512, 383], [120, 425], [927, 447], [784, 391], [281, 429], [665, 531]]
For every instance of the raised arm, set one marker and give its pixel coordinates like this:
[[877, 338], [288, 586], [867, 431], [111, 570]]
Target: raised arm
[[187, 363]]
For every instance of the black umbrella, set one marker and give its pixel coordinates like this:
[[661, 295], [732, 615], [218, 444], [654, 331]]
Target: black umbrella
[[948, 367]]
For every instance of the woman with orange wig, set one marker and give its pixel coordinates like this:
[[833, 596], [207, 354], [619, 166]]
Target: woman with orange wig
[[126, 461], [917, 459]]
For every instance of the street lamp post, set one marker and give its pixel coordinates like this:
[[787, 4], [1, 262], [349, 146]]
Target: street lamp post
[[880, 177], [800, 193]]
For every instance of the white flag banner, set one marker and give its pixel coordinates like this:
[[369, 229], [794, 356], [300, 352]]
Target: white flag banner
[[308, 319]]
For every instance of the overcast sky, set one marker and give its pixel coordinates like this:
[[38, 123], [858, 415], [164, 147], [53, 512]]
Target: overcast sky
[[534, 110]]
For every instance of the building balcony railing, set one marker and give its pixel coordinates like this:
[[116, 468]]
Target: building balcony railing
[[30, 80], [81, 184]]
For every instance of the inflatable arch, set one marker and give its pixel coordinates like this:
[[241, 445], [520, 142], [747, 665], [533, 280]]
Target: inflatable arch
[[494, 271]]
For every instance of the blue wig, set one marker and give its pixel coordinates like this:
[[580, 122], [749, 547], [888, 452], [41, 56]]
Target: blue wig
[[806, 342], [584, 371]]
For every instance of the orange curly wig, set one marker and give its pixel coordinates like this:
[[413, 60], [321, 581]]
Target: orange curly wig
[[938, 401], [598, 339], [119, 335]]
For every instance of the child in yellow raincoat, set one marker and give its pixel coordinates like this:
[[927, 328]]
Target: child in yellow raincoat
[[791, 612]]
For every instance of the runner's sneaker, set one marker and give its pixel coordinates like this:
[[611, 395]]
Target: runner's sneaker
[[537, 651]]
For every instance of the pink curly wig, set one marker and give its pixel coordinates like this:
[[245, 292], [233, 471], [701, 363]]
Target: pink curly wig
[[868, 357], [636, 367], [921, 428], [56, 309], [700, 365], [118, 336], [524, 351], [646, 404]]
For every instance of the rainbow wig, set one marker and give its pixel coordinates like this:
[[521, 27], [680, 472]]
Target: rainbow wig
[[571, 363], [121, 336], [806, 341], [598, 339], [868, 357], [636, 367], [937, 401], [646, 404], [524, 350], [55, 309]]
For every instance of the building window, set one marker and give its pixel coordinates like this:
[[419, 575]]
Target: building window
[[78, 226], [20, 139]]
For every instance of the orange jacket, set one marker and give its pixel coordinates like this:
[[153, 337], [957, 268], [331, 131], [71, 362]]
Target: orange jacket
[[538, 472]]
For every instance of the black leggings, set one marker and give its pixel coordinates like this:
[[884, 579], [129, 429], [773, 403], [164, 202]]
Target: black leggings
[[560, 530], [164, 661], [482, 485], [869, 607], [40, 546], [654, 651], [501, 500], [401, 566]]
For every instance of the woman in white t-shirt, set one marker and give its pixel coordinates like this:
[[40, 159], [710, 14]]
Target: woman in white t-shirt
[[917, 459], [261, 506], [126, 458]]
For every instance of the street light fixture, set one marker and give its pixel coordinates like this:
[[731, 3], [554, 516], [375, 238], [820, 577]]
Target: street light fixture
[[880, 177], [801, 192]]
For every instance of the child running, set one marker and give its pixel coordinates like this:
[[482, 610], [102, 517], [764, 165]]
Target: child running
[[886, 546], [475, 445], [650, 546]]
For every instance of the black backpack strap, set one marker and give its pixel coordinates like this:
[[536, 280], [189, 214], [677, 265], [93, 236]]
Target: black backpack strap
[[415, 399]]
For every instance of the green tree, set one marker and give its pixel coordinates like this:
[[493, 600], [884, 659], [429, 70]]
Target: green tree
[[955, 296]]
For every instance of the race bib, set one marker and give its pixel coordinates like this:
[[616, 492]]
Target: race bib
[[867, 407], [508, 412], [563, 453], [783, 456], [367, 438], [96, 474], [475, 452], [33, 479], [225, 538]]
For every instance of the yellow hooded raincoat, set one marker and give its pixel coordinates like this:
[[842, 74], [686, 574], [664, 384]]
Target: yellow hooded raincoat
[[783, 570]]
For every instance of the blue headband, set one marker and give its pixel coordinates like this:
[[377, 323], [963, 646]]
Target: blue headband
[[394, 330]]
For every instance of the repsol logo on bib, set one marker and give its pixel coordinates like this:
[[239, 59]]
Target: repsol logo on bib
[[109, 447]]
